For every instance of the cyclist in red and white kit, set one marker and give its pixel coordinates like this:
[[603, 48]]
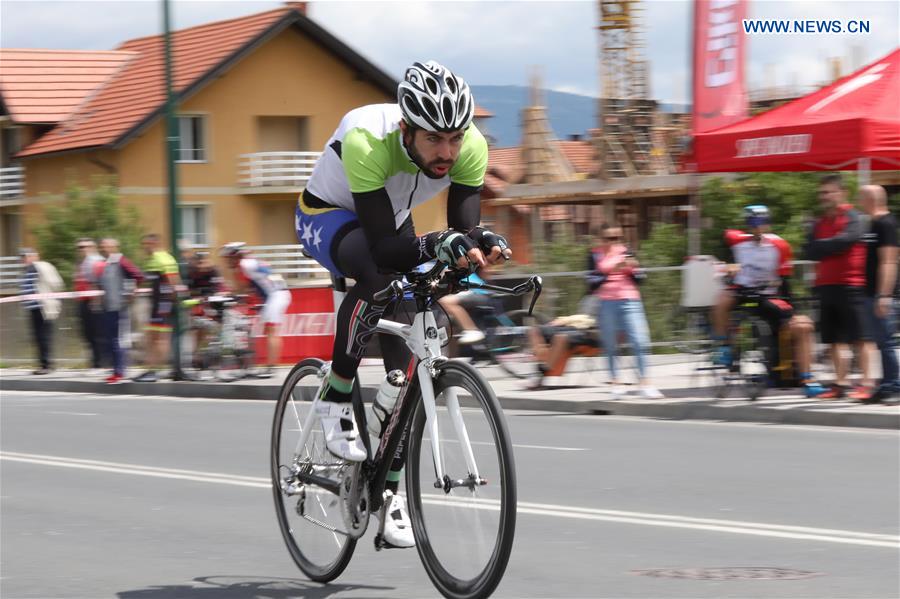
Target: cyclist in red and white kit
[[764, 261], [254, 274]]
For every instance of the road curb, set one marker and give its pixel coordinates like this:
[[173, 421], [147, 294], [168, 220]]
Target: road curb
[[719, 410]]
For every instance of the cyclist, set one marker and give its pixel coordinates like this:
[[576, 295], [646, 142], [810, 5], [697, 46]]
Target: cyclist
[[203, 281], [354, 219], [763, 261], [459, 306], [253, 274]]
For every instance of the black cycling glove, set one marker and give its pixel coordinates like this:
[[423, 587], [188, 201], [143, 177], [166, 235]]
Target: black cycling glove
[[448, 246], [487, 239]]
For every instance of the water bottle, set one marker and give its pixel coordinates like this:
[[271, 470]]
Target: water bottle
[[385, 400]]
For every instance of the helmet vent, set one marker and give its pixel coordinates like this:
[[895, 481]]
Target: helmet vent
[[447, 108], [430, 108]]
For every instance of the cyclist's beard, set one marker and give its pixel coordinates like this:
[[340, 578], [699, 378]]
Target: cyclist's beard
[[409, 142]]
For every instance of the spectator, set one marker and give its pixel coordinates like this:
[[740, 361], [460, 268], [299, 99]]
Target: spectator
[[835, 240], [554, 343], [111, 275], [89, 310], [40, 278], [881, 286], [621, 308], [161, 271]]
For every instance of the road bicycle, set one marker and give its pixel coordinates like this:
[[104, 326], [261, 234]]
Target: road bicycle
[[227, 350], [506, 343], [460, 473]]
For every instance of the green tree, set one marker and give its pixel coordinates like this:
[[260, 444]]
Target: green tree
[[791, 198], [93, 213]]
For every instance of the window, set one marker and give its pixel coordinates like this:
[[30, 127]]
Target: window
[[191, 139], [194, 225]]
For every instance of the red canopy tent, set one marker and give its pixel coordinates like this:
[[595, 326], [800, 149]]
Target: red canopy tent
[[852, 123]]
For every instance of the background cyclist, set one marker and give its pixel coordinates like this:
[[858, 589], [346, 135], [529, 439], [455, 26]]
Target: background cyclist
[[764, 261], [253, 274], [354, 218]]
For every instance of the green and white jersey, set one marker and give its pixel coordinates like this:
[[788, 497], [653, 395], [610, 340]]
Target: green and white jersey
[[366, 153]]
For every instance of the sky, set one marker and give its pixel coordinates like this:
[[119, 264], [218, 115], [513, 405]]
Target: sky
[[488, 43]]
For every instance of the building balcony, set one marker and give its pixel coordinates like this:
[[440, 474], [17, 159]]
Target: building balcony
[[275, 172], [12, 182]]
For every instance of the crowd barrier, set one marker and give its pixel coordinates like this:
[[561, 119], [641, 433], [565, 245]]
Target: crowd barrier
[[308, 326]]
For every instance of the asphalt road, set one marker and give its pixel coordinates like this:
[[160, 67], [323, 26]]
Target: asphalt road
[[146, 498]]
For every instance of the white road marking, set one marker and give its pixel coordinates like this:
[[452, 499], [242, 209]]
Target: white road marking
[[828, 535], [73, 413]]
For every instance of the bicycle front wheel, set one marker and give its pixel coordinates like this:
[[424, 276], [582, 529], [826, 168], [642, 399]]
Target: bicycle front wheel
[[464, 522], [310, 517]]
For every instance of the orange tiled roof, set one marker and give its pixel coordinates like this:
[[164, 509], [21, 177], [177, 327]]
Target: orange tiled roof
[[135, 97], [505, 165], [482, 113], [46, 86]]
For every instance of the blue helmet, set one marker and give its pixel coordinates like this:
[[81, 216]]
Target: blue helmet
[[756, 216]]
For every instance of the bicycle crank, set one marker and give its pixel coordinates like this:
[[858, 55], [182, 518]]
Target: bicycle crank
[[354, 500]]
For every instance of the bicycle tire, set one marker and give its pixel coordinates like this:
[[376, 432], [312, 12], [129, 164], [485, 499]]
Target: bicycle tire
[[315, 571], [511, 351], [454, 373]]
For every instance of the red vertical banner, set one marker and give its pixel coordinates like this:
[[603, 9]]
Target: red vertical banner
[[720, 95]]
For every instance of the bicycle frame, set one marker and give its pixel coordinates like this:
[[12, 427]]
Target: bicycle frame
[[423, 339]]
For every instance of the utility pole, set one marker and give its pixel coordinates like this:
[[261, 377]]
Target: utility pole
[[171, 169]]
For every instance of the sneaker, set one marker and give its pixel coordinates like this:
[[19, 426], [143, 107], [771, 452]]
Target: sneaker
[[41, 371], [114, 379], [342, 436], [650, 392], [397, 527], [617, 392], [147, 377], [862, 394], [722, 356], [833, 392], [471, 336], [813, 389]]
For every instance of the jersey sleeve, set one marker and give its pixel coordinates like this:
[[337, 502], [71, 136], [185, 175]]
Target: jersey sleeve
[[785, 255], [366, 160], [471, 165]]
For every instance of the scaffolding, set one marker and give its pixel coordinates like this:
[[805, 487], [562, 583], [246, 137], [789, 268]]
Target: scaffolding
[[626, 141]]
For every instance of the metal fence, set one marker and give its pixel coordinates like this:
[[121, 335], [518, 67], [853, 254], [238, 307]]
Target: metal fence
[[563, 292]]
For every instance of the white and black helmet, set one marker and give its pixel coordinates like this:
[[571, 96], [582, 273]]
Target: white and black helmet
[[434, 99]]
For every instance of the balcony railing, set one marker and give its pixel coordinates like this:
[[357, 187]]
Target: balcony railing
[[262, 170], [12, 182]]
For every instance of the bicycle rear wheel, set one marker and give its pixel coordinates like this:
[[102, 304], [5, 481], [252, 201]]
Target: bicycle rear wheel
[[309, 517], [464, 530], [509, 346]]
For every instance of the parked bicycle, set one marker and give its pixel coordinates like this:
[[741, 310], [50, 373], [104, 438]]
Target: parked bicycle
[[227, 349], [460, 472]]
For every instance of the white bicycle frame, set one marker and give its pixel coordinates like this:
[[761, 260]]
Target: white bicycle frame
[[423, 339]]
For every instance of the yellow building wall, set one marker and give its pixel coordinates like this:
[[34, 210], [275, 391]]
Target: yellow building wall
[[288, 76], [47, 179]]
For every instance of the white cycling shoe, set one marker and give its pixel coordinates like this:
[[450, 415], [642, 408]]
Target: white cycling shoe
[[397, 527], [468, 337], [345, 444]]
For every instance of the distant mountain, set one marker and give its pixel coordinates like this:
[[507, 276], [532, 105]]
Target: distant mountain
[[570, 114]]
